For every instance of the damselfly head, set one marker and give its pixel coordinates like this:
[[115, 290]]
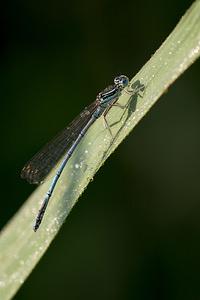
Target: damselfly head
[[122, 81]]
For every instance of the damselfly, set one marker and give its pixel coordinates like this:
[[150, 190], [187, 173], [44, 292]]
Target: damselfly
[[37, 169]]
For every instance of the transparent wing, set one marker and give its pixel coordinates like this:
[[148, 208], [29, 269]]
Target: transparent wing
[[37, 169]]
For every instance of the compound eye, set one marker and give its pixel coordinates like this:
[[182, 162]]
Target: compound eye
[[124, 81]]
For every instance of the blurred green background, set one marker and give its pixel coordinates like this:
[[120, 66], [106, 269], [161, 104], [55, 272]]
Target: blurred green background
[[135, 232]]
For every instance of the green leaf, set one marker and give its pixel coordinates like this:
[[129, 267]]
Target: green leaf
[[21, 248]]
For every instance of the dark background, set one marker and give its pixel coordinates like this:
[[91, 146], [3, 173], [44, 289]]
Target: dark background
[[135, 232]]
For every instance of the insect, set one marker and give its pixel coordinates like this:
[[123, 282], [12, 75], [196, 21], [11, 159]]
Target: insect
[[37, 169]]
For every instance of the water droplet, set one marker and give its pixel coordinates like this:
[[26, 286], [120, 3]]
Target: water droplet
[[2, 283], [100, 154]]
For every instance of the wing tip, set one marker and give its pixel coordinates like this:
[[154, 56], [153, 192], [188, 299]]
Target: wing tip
[[30, 175]]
